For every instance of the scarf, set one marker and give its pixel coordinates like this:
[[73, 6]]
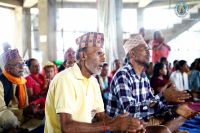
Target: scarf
[[21, 89]]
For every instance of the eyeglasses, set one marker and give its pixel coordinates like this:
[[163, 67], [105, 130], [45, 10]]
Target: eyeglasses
[[18, 65]]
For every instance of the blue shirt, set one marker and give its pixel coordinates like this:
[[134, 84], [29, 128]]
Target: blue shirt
[[194, 80], [132, 93]]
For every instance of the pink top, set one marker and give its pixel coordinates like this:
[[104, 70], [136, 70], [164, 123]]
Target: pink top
[[159, 50]]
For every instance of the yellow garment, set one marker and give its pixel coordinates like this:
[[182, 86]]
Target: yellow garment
[[2, 101], [70, 92], [21, 83]]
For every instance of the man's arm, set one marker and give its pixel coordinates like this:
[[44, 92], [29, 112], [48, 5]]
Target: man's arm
[[102, 117], [121, 123], [171, 95], [70, 126]]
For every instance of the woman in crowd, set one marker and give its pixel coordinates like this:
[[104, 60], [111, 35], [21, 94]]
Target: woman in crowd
[[194, 80], [36, 88], [180, 76], [159, 78], [159, 47]]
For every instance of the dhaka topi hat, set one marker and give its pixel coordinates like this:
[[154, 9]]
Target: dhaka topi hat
[[90, 39], [133, 42]]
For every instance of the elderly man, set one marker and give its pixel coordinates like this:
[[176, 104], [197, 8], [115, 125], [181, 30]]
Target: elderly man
[[130, 92], [13, 95], [69, 59], [74, 96]]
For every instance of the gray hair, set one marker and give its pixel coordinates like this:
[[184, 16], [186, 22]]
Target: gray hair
[[78, 53]]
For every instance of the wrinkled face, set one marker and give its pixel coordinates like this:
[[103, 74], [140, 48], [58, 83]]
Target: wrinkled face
[[94, 60], [34, 67], [141, 54], [70, 58], [70, 55], [49, 72], [15, 67]]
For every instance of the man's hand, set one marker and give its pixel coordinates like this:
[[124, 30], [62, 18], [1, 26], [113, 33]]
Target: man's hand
[[185, 111], [173, 96], [125, 123]]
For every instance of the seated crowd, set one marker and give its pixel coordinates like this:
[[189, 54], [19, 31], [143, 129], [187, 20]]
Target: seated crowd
[[138, 96]]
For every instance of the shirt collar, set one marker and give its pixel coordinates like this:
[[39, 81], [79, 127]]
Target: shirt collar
[[130, 67], [77, 72]]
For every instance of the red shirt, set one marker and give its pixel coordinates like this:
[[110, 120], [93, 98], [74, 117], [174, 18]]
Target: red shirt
[[36, 83], [157, 83]]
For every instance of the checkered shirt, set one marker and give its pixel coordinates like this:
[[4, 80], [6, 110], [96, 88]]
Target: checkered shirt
[[131, 93]]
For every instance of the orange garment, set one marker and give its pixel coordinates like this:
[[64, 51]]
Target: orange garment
[[159, 50], [21, 90]]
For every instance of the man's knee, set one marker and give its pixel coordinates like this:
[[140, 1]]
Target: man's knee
[[8, 120], [157, 129]]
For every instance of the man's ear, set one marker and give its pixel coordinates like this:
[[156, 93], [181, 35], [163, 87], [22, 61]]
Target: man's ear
[[83, 55], [131, 53]]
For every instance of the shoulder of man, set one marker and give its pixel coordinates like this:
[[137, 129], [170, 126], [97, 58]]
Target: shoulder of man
[[124, 70], [123, 73], [4, 80]]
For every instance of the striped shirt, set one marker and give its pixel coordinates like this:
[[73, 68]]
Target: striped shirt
[[132, 93]]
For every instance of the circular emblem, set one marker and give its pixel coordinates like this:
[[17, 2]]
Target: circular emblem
[[181, 8]]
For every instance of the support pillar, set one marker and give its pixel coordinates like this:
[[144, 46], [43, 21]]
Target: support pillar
[[119, 30], [47, 29], [26, 33], [18, 30], [140, 14]]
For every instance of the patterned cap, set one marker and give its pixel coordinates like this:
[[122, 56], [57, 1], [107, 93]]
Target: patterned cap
[[10, 55], [90, 39], [133, 42]]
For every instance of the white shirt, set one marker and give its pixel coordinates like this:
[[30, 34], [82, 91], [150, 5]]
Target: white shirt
[[180, 80]]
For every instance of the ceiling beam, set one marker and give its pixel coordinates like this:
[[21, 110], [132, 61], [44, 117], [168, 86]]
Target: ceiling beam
[[76, 5], [130, 5], [169, 3], [29, 3], [11, 3], [144, 3], [89, 5]]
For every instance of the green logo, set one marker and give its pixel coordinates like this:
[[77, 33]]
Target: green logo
[[181, 8]]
